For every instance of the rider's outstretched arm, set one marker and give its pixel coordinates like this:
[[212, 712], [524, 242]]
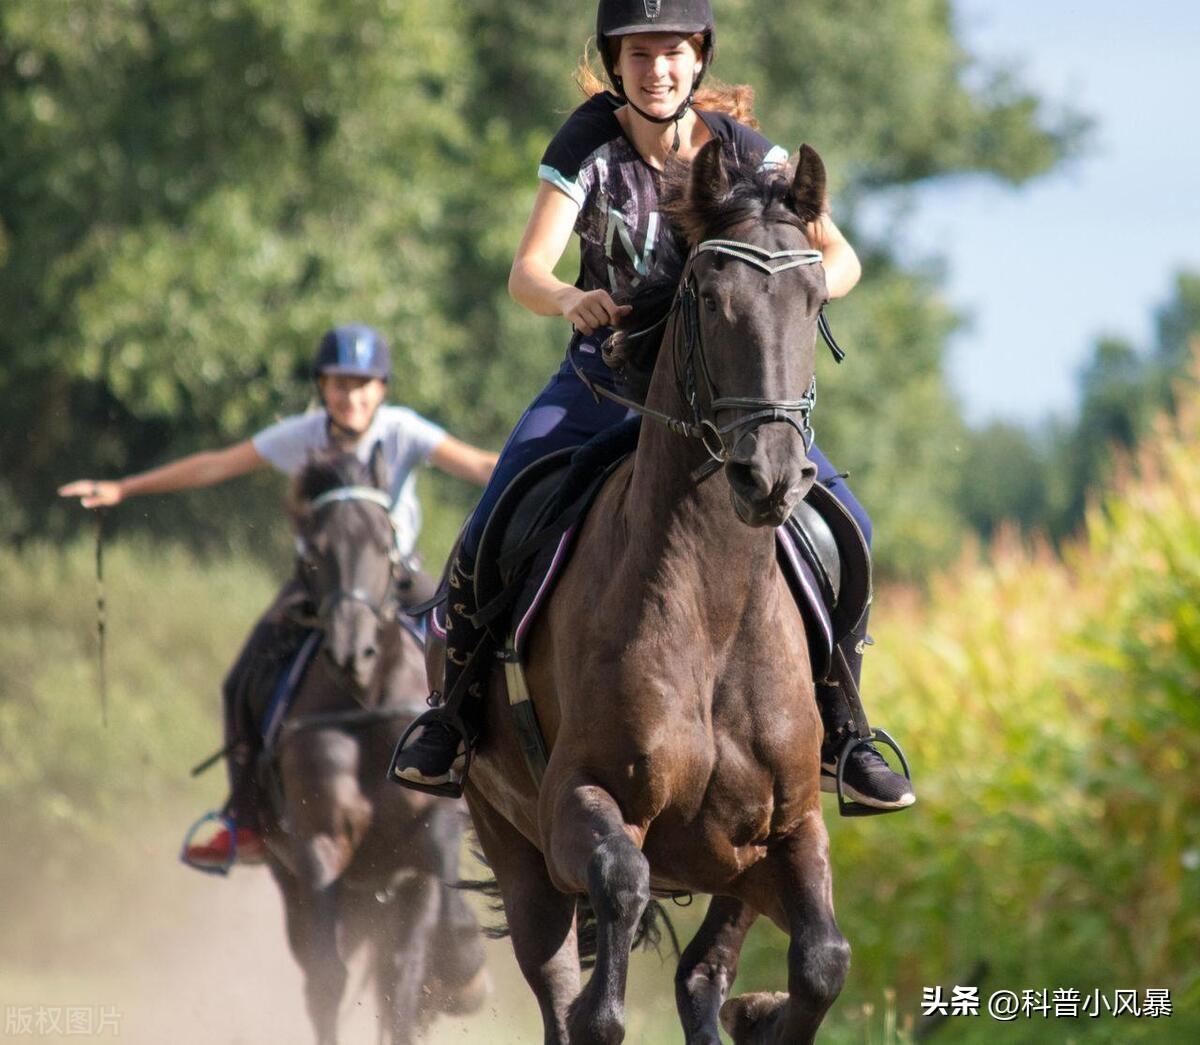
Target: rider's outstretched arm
[[200, 469], [463, 461]]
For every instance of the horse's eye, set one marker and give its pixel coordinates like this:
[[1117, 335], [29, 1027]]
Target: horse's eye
[[710, 302]]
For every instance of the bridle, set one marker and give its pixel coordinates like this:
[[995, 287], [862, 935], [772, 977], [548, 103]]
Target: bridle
[[689, 359], [384, 609]]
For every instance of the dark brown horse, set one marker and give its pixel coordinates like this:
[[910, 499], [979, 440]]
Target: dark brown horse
[[358, 860], [670, 670]]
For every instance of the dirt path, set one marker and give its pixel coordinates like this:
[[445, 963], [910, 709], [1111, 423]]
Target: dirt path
[[201, 960], [190, 959]]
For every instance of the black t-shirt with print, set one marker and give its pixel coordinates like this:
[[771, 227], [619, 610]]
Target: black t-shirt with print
[[623, 237]]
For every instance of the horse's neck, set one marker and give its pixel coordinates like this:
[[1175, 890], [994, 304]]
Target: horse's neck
[[680, 519]]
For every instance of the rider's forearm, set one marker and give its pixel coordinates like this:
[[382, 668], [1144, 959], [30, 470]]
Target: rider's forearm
[[842, 269], [202, 469], [539, 290], [841, 264]]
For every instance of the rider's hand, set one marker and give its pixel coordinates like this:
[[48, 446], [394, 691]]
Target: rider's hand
[[93, 493], [590, 310]]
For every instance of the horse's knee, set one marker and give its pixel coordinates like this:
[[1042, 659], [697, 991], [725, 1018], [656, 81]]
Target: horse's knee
[[320, 861], [819, 967], [618, 879], [693, 979]]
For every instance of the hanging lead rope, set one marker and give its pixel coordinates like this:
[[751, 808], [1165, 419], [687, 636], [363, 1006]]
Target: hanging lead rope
[[101, 616]]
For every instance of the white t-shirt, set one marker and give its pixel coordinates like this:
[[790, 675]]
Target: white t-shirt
[[407, 439]]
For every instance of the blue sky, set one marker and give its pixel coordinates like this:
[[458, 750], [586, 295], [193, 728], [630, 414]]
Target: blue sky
[[1043, 270]]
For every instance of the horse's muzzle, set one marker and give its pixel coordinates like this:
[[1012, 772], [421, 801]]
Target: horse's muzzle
[[352, 642], [766, 496]]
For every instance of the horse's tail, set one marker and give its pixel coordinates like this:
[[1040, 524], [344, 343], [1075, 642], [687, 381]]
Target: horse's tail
[[489, 889], [649, 935]]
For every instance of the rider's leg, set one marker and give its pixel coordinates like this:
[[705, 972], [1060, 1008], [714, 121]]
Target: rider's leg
[[564, 414], [867, 777], [272, 641]]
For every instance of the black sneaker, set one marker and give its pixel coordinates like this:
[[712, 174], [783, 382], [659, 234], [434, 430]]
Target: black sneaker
[[869, 780], [435, 758]]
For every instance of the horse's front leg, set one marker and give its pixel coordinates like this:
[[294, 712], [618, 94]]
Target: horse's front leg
[[591, 851], [402, 937], [458, 978], [794, 886], [312, 935], [326, 816], [540, 918], [708, 967]]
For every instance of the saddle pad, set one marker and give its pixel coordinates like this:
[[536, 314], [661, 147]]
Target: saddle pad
[[800, 577]]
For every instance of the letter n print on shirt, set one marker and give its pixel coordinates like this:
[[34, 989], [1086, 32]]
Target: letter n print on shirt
[[619, 227]]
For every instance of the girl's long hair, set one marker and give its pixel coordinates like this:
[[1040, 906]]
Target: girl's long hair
[[736, 100]]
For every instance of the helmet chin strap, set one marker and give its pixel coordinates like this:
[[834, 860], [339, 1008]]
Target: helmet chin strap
[[339, 430], [674, 118]]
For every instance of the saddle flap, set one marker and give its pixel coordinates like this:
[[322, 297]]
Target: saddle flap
[[854, 589], [524, 504], [819, 547]]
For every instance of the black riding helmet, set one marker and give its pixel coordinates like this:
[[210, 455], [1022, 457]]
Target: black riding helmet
[[626, 17]]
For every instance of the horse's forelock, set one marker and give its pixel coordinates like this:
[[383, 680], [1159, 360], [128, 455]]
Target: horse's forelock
[[750, 194]]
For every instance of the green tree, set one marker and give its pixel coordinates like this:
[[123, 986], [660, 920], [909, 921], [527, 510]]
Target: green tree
[[1004, 478], [190, 193], [1122, 389]]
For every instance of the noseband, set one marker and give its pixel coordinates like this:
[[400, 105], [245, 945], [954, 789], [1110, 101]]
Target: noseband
[[385, 608], [688, 351]]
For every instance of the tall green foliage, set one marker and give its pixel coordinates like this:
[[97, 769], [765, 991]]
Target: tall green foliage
[[190, 193], [1049, 710]]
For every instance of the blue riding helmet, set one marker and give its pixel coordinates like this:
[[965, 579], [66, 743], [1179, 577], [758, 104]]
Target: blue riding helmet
[[353, 349]]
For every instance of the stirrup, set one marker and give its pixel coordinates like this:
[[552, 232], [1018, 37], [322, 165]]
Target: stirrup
[[847, 806], [229, 825], [452, 788]]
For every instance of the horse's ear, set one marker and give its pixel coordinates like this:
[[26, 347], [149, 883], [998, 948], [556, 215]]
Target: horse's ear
[[710, 182], [378, 467], [808, 187]]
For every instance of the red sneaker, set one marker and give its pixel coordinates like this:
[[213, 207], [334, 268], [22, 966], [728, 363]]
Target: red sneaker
[[219, 851]]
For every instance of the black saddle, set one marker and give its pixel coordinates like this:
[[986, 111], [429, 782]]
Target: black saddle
[[535, 514]]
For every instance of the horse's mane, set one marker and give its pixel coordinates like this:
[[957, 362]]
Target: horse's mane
[[753, 194], [326, 470]]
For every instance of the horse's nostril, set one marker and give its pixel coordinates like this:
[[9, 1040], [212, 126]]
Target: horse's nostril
[[369, 652], [747, 481]]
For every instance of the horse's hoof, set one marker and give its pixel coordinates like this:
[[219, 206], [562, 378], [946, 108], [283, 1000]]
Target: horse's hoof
[[744, 1017]]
